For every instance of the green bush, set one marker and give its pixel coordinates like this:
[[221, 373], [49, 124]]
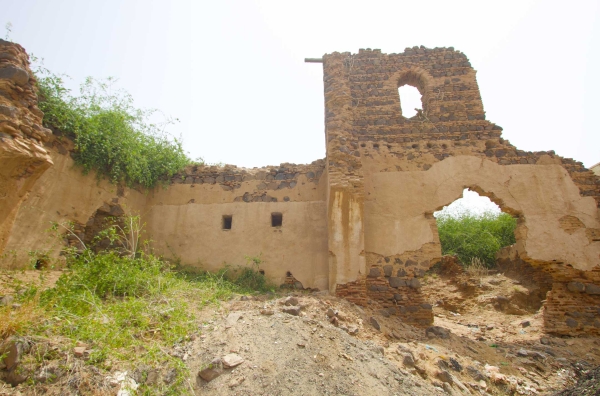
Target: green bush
[[470, 236], [108, 275], [111, 136]]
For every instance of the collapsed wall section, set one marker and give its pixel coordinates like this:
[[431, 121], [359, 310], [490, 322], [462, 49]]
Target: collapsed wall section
[[410, 167]]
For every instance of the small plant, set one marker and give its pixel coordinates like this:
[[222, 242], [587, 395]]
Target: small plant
[[477, 269], [124, 234], [8, 27], [251, 278]]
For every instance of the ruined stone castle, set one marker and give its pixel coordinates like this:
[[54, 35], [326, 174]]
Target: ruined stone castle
[[358, 223]]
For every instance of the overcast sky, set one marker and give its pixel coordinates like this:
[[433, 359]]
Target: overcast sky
[[233, 71]]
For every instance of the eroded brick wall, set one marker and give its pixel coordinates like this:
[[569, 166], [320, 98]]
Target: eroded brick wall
[[265, 179], [371, 136], [23, 159]]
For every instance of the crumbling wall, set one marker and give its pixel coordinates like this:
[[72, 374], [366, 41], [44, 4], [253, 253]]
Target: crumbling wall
[[63, 195], [359, 223], [410, 167], [22, 155], [185, 221]]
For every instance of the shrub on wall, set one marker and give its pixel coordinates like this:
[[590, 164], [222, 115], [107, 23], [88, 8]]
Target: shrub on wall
[[111, 136], [476, 236]]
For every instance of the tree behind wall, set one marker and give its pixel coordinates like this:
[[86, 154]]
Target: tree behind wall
[[111, 136], [469, 236]]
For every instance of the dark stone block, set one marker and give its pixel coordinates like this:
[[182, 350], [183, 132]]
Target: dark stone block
[[592, 289], [116, 211], [14, 74], [571, 322], [374, 272], [414, 283], [397, 282], [387, 270], [374, 323], [437, 331], [576, 287]]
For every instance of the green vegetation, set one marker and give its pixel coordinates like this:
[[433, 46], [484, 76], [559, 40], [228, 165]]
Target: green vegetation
[[476, 237], [242, 279], [111, 136], [120, 303]]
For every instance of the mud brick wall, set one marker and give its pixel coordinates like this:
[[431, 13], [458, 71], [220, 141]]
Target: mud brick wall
[[574, 307], [370, 134], [452, 115], [19, 115], [265, 179]]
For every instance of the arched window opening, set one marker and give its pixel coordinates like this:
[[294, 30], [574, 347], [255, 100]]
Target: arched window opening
[[474, 229], [410, 100]]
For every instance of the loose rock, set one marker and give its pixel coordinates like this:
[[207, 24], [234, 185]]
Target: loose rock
[[232, 360]]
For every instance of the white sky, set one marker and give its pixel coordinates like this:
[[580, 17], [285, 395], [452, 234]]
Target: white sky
[[233, 71], [471, 203]]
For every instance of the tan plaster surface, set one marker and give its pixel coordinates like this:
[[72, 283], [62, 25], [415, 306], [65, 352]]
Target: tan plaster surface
[[61, 194], [193, 233], [346, 238], [21, 164], [395, 203]]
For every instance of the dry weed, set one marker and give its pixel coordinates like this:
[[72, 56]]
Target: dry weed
[[13, 320], [477, 269]]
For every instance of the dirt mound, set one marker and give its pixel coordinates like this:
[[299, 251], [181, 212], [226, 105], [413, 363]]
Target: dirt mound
[[285, 354]]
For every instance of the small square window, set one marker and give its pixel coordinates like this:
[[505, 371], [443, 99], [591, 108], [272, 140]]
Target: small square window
[[227, 220], [276, 219]]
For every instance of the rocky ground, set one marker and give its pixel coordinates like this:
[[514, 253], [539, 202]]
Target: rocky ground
[[315, 344]]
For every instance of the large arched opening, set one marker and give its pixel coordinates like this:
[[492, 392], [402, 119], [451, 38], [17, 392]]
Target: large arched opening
[[480, 276]]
